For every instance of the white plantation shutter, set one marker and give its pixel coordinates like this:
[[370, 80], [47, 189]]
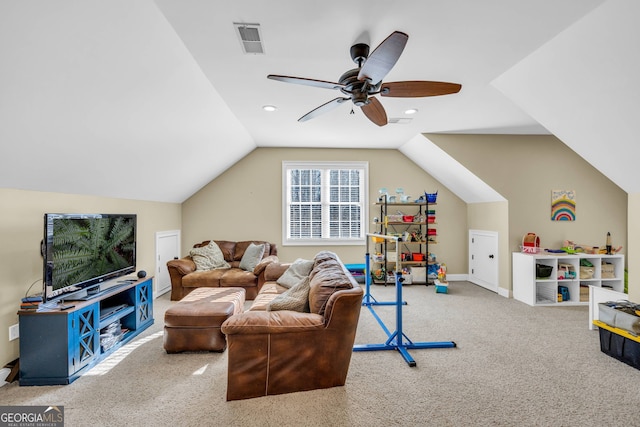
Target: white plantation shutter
[[325, 202]]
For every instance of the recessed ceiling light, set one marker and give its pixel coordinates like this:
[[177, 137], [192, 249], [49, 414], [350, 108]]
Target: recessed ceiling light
[[269, 107], [411, 111]]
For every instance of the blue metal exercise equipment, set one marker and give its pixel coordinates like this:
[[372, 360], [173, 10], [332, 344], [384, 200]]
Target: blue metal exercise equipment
[[397, 340]]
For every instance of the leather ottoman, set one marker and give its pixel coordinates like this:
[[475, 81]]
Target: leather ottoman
[[193, 323]]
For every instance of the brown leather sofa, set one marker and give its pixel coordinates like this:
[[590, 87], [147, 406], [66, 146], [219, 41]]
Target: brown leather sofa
[[185, 278], [275, 352]]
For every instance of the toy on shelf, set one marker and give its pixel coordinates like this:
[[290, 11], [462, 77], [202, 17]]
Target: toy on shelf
[[570, 247], [530, 243]]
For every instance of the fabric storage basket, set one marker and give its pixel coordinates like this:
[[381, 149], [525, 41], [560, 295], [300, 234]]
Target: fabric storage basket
[[608, 271], [586, 272]]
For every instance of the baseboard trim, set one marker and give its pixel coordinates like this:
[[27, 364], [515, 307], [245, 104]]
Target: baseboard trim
[[504, 292]]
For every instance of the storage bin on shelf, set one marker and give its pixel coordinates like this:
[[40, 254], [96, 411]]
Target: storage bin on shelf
[[419, 274], [417, 256], [543, 271], [607, 271], [377, 257], [586, 272]]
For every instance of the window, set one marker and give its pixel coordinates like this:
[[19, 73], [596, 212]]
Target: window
[[324, 203]]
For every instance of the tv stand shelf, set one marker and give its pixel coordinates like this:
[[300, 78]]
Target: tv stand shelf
[[59, 345], [115, 316]]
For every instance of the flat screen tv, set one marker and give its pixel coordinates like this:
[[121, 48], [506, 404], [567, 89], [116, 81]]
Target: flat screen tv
[[82, 250]]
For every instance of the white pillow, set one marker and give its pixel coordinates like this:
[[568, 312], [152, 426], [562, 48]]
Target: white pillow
[[208, 257], [295, 298], [251, 257], [298, 270]]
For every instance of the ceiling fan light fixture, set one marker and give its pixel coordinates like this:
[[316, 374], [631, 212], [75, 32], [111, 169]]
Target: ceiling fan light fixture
[[411, 111], [269, 108]]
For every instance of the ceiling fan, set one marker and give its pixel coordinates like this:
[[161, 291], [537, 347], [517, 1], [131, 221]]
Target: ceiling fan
[[362, 83]]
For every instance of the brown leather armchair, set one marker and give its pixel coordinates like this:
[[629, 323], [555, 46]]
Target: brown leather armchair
[[275, 352]]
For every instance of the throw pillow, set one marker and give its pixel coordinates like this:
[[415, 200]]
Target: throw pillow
[[208, 257], [298, 270], [251, 257], [295, 298]]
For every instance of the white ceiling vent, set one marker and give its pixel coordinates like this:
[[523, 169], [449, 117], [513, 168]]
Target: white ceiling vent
[[250, 37], [399, 120]]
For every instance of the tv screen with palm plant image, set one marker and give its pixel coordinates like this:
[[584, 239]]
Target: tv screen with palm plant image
[[81, 250]]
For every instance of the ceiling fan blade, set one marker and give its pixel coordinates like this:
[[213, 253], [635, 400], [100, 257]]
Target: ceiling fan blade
[[383, 58], [375, 111], [307, 82], [323, 108], [417, 89]]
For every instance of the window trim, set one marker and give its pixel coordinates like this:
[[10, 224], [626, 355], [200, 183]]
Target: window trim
[[364, 209]]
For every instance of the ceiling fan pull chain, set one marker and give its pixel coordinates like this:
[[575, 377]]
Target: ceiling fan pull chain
[[352, 112]]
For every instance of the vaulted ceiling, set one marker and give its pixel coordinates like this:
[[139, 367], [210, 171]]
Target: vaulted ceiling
[[151, 100]]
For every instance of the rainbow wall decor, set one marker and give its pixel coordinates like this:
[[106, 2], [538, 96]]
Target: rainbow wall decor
[[563, 205]]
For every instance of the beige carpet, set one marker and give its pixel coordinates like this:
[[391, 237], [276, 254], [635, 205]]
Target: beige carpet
[[514, 365]]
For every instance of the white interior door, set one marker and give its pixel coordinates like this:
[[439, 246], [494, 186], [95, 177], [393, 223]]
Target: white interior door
[[483, 259], [167, 248]]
